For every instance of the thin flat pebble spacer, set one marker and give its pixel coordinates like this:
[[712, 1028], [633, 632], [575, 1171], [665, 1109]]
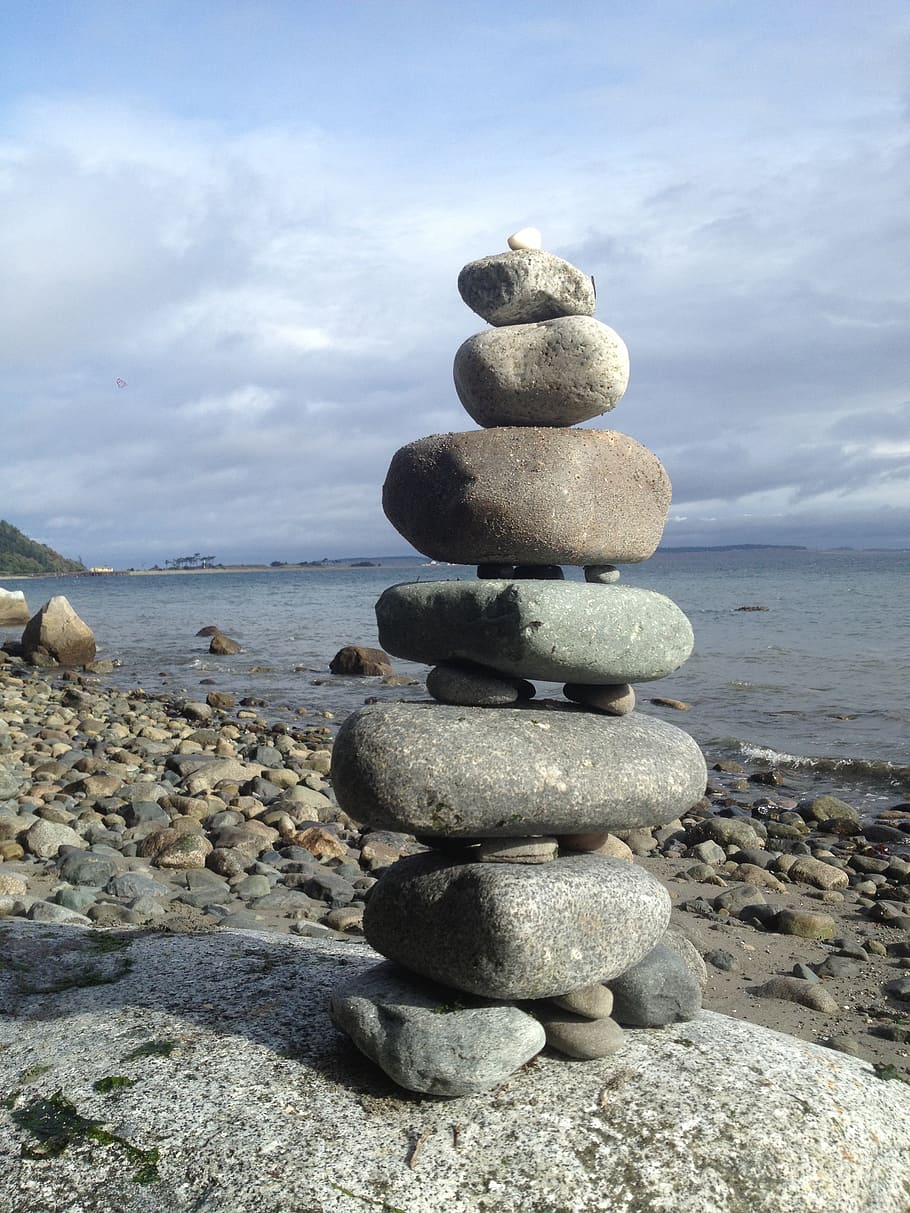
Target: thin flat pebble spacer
[[525, 286], [558, 631], [440, 771], [528, 495]]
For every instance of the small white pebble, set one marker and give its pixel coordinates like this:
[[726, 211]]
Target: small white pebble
[[527, 238]]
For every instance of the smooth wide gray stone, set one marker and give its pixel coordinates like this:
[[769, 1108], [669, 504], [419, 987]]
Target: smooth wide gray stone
[[528, 495], [429, 1038], [435, 770], [525, 286], [558, 631], [559, 372], [516, 930]]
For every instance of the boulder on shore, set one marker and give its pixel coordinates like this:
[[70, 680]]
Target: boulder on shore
[[13, 608], [359, 660], [210, 1063], [57, 631], [224, 646]]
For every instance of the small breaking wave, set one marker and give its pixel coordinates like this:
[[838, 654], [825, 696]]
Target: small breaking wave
[[878, 769]]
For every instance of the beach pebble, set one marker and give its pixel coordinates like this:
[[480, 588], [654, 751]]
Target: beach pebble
[[525, 238], [525, 286], [528, 495], [658, 990], [617, 699], [516, 930], [598, 843], [45, 838], [726, 831], [602, 574], [805, 923], [431, 1039], [793, 989], [590, 1002], [578, 1037], [516, 850], [806, 870], [828, 808], [359, 660]]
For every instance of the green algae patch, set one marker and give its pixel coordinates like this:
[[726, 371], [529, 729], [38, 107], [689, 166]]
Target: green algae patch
[[113, 1082], [55, 1124], [153, 1048]]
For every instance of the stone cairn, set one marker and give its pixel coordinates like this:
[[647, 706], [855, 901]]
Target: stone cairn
[[520, 926]]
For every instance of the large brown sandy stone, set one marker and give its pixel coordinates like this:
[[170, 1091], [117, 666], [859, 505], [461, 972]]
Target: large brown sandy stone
[[528, 495]]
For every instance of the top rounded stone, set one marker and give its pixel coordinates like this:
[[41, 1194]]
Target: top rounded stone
[[525, 286]]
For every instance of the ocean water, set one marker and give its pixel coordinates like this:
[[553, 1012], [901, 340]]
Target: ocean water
[[819, 682]]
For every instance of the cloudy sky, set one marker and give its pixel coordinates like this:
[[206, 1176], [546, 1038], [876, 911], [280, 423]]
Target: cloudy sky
[[254, 212]]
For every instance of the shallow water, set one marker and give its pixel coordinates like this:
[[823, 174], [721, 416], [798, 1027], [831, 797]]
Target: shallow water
[[818, 681]]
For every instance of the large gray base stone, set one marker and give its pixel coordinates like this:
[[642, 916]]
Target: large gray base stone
[[262, 1106], [432, 1039], [435, 770], [516, 930]]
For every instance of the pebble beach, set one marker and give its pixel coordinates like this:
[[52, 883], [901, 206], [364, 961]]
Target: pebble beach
[[125, 809]]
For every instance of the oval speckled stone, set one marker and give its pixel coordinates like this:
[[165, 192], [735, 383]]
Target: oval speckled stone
[[558, 631], [528, 495], [525, 286], [437, 771], [516, 930], [555, 373]]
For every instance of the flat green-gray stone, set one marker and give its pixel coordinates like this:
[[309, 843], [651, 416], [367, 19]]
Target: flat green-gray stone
[[435, 770], [559, 631]]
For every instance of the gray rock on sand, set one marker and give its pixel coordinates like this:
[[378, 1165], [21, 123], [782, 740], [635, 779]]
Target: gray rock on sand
[[516, 930], [528, 495], [558, 373], [560, 631], [524, 287], [431, 1039], [13, 608], [435, 770], [57, 630], [658, 990]]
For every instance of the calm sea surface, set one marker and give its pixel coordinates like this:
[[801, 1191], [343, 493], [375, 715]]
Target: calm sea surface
[[819, 681]]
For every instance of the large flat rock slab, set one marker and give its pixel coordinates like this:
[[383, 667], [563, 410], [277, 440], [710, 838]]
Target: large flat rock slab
[[256, 1104], [528, 495], [557, 631], [524, 286], [466, 772], [558, 372], [513, 930]]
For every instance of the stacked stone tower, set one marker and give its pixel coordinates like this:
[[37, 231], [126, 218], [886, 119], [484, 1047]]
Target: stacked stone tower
[[518, 899]]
